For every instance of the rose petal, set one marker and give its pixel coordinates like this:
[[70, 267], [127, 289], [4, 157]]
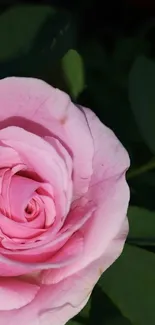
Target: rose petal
[[15, 294], [41, 157], [70, 251], [46, 107], [20, 140], [9, 157], [100, 229], [110, 157], [50, 211], [51, 306], [62, 151], [15, 229], [108, 191], [21, 191]]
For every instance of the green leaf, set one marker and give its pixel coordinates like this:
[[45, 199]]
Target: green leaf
[[107, 90], [86, 310], [141, 225], [83, 316], [73, 69], [130, 283], [103, 310], [142, 98], [19, 26], [118, 320], [53, 40], [125, 52]]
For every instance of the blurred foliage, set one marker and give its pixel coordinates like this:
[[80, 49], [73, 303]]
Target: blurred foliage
[[105, 59], [142, 225], [18, 28], [142, 81], [130, 284]]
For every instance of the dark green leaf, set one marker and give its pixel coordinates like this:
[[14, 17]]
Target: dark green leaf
[[86, 310], [118, 320], [72, 322], [126, 50], [142, 97], [142, 226], [103, 311], [130, 283], [19, 27], [54, 39], [107, 87]]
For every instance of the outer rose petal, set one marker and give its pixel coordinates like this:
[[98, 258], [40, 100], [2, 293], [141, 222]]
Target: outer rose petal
[[110, 157], [105, 225], [110, 193], [35, 105], [15, 294], [56, 304]]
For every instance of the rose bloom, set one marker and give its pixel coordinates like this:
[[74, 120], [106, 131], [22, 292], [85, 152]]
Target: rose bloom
[[63, 203]]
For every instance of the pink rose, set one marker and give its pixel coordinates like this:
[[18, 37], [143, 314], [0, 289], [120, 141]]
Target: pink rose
[[63, 203]]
